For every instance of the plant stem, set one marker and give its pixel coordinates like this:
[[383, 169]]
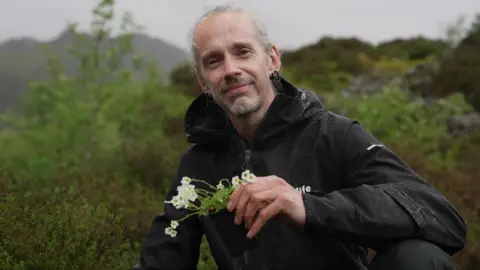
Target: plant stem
[[187, 216], [204, 192], [201, 181]]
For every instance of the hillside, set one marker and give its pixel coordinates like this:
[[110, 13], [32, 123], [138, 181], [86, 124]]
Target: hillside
[[24, 60]]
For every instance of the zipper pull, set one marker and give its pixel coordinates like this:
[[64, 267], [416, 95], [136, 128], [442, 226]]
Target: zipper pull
[[247, 159]]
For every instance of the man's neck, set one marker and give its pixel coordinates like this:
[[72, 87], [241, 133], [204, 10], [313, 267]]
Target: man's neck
[[247, 125]]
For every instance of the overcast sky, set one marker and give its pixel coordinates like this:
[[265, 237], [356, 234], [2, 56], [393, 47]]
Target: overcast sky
[[291, 23]]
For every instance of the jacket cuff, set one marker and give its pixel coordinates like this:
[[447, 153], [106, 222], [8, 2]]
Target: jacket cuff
[[316, 213]]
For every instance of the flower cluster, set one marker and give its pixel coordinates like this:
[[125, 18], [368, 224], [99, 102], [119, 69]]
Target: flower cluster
[[211, 201]]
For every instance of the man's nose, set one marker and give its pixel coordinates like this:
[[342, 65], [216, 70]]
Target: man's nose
[[231, 68]]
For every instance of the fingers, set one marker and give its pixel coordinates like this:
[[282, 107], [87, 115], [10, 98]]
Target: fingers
[[263, 216], [250, 212], [240, 197], [243, 199], [237, 193], [242, 202], [232, 202], [257, 201]]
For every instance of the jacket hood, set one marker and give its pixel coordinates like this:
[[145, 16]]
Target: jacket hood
[[206, 123]]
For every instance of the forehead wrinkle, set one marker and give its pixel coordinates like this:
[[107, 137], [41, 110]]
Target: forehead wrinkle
[[214, 30]]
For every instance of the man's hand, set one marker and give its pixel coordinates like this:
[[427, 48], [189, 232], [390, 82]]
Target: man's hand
[[267, 197]]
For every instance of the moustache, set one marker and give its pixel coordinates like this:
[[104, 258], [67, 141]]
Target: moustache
[[236, 82]]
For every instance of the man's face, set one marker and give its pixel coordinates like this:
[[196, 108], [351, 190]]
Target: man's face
[[233, 64]]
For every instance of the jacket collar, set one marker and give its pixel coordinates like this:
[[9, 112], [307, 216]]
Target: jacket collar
[[206, 123]]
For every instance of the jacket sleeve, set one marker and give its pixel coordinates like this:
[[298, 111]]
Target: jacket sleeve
[[181, 252], [382, 199]]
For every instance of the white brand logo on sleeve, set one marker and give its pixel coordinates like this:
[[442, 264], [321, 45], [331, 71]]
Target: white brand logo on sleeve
[[373, 146]]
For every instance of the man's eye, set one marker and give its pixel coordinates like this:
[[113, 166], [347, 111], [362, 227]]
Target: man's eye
[[211, 62], [244, 51]]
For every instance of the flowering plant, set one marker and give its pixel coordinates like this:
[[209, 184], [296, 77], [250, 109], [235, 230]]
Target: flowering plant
[[211, 201]]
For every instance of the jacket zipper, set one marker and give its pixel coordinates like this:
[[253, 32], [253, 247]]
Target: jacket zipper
[[242, 260], [246, 162]]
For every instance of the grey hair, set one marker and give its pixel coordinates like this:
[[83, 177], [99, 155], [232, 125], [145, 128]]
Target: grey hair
[[262, 33]]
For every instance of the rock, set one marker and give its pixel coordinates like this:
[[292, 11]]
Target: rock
[[464, 124], [417, 82], [419, 79], [369, 83]]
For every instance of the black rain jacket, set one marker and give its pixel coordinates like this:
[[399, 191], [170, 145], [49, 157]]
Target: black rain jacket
[[358, 193]]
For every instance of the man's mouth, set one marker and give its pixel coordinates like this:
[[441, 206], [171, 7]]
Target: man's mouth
[[236, 88]]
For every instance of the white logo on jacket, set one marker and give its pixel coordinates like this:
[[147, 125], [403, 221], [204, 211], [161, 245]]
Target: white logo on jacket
[[373, 146], [304, 189]]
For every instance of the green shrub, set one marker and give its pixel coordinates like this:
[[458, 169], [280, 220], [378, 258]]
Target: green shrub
[[393, 116], [96, 222], [58, 228], [84, 166]]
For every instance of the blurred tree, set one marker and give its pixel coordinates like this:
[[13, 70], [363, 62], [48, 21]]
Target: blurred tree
[[183, 77], [412, 49], [460, 71]]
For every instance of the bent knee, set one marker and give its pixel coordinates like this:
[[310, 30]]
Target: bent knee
[[415, 247], [413, 254]]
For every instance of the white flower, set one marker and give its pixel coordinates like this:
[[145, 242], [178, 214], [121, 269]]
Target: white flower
[[179, 202], [170, 231], [248, 177], [176, 201], [174, 224], [187, 192], [251, 178], [245, 175], [186, 180], [236, 181]]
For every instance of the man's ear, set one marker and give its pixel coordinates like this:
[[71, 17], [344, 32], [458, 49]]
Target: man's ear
[[274, 58]]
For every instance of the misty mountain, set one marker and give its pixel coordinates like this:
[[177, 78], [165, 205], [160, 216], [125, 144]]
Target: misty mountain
[[23, 60]]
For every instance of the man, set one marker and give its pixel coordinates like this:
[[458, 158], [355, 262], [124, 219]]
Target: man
[[354, 194]]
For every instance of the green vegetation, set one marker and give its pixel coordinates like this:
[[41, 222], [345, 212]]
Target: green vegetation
[[85, 164]]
